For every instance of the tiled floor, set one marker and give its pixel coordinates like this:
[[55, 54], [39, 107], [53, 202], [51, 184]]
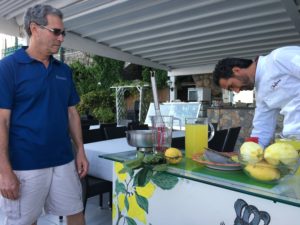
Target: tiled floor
[[93, 215]]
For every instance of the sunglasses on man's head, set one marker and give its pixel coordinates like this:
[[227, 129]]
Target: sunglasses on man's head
[[55, 31]]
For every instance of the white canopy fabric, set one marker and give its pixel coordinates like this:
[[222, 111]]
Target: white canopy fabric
[[181, 36]]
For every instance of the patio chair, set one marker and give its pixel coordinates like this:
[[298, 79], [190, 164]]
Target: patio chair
[[93, 186], [218, 141], [231, 138], [114, 132], [137, 126], [93, 135], [178, 142]]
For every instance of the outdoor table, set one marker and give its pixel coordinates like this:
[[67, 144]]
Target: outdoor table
[[102, 168], [191, 193]]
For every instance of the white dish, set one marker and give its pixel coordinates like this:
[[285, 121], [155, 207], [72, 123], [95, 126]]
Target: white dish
[[218, 166]]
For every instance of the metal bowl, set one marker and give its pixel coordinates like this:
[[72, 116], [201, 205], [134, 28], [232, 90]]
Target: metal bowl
[[139, 138]]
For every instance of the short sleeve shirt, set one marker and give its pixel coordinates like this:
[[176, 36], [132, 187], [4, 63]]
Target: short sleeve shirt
[[38, 98]]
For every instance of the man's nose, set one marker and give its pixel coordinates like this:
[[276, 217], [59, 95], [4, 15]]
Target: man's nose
[[61, 38]]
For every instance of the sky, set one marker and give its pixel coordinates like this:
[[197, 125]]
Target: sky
[[10, 42]]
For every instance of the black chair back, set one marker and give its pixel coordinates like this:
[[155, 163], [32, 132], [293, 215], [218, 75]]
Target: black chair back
[[231, 139], [137, 126], [178, 142], [115, 132], [215, 125], [86, 123], [93, 135], [218, 141]]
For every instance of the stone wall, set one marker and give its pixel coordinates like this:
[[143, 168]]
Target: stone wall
[[205, 80]]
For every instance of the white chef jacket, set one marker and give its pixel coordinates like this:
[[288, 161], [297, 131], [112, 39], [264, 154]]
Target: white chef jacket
[[277, 83]]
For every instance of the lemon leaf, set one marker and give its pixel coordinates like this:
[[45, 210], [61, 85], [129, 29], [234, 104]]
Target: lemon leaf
[[130, 221], [143, 177], [142, 202], [164, 181], [120, 187], [160, 168]]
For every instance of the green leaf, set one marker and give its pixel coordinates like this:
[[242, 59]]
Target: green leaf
[[126, 203], [131, 173], [160, 167], [130, 221], [142, 202], [143, 177], [140, 155], [133, 164], [126, 169], [164, 181], [148, 158], [120, 187]]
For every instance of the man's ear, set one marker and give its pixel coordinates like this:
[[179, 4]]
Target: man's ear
[[236, 70], [33, 27]]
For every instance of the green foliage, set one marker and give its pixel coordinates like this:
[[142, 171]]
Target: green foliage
[[98, 103], [93, 84], [152, 168], [103, 114], [108, 71], [160, 75], [84, 77]]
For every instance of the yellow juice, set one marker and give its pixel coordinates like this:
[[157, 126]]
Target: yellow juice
[[196, 139]]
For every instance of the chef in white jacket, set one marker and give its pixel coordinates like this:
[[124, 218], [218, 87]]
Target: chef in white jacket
[[276, 78]]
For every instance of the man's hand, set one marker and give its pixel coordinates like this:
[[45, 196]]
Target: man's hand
[[82, 164], [9, 185]]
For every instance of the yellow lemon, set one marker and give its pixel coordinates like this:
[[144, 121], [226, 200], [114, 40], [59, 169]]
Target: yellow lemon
[[235, 158], [173, 155], [263, 171], [281, 152], [251, 152]]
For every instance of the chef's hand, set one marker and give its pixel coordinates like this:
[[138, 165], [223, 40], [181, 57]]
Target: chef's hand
[[9, 185]]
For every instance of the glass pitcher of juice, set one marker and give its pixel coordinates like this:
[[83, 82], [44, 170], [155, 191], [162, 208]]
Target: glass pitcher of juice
[[196, 135]]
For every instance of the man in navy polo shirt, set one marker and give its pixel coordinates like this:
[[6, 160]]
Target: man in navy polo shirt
[[37, 118]]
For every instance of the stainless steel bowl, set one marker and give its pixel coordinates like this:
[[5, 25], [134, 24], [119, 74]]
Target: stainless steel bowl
[[139, 138]]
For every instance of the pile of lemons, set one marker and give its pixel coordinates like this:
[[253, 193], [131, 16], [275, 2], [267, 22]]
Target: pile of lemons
[[271, 164]]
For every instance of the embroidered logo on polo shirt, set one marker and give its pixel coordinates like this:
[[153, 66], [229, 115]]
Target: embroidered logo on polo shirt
[[60, 77]]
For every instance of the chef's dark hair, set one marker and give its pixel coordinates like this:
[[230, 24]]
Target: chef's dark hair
[[37, 14], [224, 67]]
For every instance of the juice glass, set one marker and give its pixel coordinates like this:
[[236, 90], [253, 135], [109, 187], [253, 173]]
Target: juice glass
[[161, 132], [196, 135]]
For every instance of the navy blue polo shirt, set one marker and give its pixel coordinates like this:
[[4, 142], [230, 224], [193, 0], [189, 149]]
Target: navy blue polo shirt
[[38, 98]]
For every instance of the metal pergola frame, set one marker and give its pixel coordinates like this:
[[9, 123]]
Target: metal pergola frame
[[120, 104]]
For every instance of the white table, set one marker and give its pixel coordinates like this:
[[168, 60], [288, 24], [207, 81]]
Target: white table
[[102, 168]]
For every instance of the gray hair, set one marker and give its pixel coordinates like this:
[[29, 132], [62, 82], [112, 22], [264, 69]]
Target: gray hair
[[37, 14]]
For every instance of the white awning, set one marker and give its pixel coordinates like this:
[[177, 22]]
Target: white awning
[[181, 36]]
